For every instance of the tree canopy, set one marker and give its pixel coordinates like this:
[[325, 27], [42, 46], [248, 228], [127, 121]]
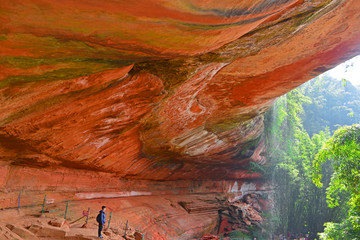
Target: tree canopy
[[298, 130], [343, 150]]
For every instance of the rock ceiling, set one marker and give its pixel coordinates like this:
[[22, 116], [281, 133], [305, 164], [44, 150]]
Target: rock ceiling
[[158, 90]]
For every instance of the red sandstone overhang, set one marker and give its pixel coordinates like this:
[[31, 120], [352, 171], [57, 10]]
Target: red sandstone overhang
[[159, 90]]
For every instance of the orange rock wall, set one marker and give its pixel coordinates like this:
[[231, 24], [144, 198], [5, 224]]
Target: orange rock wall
[[152, 97], [63, 184]]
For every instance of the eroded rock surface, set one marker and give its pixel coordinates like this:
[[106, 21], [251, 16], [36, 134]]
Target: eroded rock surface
[[242, 214], [121, 98]]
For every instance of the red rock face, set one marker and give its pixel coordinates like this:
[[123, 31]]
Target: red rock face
[[129, 94]]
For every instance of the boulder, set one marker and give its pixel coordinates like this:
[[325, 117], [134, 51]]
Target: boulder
[[22, 232], [138, 236], [208, 236], [59, 222]]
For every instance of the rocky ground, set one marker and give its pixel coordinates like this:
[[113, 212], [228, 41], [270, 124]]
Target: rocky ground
[[20, 227], [29, 223], [27, 227], [157, 217]]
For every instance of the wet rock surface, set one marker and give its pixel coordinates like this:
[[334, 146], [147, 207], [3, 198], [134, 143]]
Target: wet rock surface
[[241, 214]]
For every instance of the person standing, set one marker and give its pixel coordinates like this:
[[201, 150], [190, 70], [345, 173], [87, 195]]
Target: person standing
[[101, 220]]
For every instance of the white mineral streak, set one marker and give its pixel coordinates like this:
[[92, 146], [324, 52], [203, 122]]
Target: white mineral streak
[[110, 194]]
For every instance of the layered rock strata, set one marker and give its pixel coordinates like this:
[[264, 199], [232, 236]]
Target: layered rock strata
[[120, 98]]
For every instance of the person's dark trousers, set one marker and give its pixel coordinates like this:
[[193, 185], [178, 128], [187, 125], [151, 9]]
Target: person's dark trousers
[[100, 229]]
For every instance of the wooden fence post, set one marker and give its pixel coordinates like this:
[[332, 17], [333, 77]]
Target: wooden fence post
[[42, 211], [87, 217], [19, 201], [109, 220], [126, 228], [67, 205]]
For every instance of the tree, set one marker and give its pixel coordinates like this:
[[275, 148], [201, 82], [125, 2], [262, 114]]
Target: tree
[[343, 150], [301, 205], [334, 102], [297, 127]]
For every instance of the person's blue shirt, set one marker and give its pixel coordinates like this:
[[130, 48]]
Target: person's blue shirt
[[102, 214]]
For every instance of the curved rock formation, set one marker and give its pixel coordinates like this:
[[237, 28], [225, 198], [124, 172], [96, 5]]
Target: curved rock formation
[[121, 98]]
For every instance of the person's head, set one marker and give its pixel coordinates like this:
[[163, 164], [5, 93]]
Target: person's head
[[103, 208]]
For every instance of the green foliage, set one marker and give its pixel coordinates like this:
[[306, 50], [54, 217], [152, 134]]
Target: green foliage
[[344, 82], [297, 128], [334, 103], [255, 167], [343, 150], [239, 235], [348, 229], [301, 205]]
